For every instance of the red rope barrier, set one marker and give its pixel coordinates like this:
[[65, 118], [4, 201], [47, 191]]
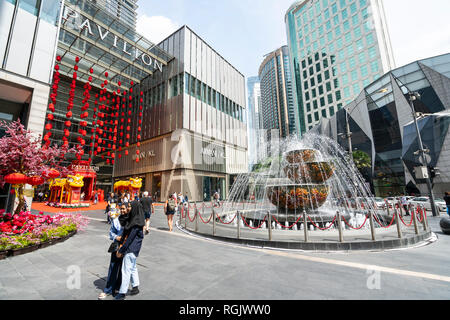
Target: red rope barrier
[[419, 210], [354, 227], [285, 226], [190, 217], [245, 222], [332, 222], [228, 222], [392, 222], [204, 220], [410, 223]]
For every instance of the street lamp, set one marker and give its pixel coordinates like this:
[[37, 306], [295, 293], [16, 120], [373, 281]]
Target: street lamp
[[413, 96]]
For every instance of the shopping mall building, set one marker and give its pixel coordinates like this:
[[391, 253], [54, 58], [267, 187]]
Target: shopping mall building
[[193, 134], [382, 127]]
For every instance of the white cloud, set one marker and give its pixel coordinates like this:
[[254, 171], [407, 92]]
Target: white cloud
[[155, 28]]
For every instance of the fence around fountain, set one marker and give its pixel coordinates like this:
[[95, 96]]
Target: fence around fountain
[[206, 219]]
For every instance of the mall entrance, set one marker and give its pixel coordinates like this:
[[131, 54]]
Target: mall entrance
[[212, 185]]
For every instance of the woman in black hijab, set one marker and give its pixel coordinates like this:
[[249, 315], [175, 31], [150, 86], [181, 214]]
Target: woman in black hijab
[[132, 242]]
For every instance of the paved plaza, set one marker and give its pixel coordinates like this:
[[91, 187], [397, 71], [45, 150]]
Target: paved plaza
[[179, 266]]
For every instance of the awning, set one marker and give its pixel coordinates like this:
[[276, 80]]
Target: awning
[[105, 44]]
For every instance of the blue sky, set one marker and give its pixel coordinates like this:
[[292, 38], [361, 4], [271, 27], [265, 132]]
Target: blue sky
[[243, 31]]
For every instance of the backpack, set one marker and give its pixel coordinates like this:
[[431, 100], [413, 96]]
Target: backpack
[[171, 205]]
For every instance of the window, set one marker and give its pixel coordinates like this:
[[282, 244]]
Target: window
[[374, 66], [315, 105], [345, 79], [369, 39], [328, 86], [354, 75], [372, 52], [362, 57], [346, 92], [331, 110], [324, 113], [364, 71], [32, 6], [320, 90], [356, 89], [322, 102], [308, 107], [330, 98]]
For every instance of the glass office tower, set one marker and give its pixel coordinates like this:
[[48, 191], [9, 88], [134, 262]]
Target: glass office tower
[[253, 119], [277, 102], [337, 47]]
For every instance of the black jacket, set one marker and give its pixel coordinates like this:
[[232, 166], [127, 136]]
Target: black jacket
[[447, 200], [134, 242]]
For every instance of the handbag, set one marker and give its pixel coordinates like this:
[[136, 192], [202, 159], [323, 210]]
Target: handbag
[[113, 247]]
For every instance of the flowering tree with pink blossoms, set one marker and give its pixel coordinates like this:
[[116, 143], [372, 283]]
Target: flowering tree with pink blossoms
[[21, 152]]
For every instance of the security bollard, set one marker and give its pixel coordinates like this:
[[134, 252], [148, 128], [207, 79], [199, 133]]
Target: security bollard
[[269, 219], [186, 217], [305, 224], [196, 218], [341, 234], [214, 222], [238, 217], [397, 220], [372, 226], [416, 226]]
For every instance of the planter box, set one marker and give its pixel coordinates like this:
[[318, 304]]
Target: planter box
[[18, 252], [45, 244], [3, 254]]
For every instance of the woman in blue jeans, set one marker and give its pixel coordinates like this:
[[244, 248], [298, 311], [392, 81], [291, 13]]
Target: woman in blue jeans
[[132, 237], [115, 266]]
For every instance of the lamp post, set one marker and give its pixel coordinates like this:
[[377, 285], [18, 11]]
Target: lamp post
[[413, 96]]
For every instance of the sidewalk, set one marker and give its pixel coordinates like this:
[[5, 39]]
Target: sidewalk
[[176, 266]]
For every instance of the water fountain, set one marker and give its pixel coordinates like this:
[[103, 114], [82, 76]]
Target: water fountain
[[311, 175], [305, 198]]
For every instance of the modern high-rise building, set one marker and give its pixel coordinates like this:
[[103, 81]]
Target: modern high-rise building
[[382, 128], [253, 119], [125, 10], [277, 101], [337, 47]]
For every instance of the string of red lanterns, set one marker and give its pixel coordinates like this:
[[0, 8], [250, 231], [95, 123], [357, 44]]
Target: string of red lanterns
[[141, 114], [51, 107]]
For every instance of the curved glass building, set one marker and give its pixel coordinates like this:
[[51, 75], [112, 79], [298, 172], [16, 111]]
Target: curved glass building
[[382, 126]]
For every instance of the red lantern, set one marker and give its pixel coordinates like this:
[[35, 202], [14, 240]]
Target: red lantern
[[16, 178], [52, 174], [35, 181]]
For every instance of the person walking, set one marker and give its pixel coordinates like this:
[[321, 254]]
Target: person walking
[[114, 279], [170, 208], [447, 201], [132, 242], [404, 203], [147, 205]]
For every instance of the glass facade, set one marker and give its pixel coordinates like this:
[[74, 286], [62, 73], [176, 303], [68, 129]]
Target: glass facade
[[335, 52], [382, 125], [277, 101]]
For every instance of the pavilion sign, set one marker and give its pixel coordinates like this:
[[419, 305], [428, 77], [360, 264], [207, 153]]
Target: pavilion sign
[[75, 20]]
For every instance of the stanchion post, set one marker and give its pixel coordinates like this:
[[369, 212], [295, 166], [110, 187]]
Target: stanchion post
[[269, 221], [416, 226], [186, 217], [397, 220], [341, 233], [214, 222], [305, 225], [372, 225], [238, 217], [196, 218], [424, 210]]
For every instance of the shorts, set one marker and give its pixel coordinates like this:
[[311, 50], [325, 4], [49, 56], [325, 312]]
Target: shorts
[[147, 215], [170, 213]]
